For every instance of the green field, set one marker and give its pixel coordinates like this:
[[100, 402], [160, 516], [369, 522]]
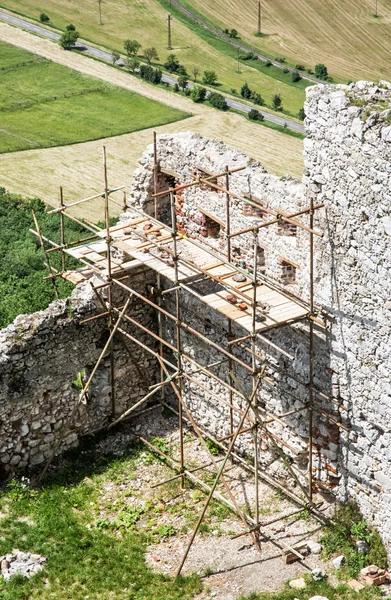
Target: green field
[[43, 104], [146, 21]]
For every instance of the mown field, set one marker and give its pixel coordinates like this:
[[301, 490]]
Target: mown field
[[146, 21], [343, 34], [43, 104]]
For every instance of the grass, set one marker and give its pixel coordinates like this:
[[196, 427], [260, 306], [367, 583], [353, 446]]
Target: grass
[[44, 104], [193, 45], [85, 559], [344, 35]]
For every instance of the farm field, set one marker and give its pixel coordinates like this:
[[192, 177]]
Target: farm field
[[146, 21], [44, 104], [345, 35]]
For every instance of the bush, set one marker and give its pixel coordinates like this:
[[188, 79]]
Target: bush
[[268, 63], [280, 59], [150, 74], [198, 93], [217, 100], [172, 64], [245, 91], [71, 27], [151, 54], [255, 115], [233, 33], [301, 114], [300, 67], [321, 71], [176, 88], [182, 82], [277, 102], [209, 78], [286, 70], [115, 57], [131, 47], [257, 99], [249, 56], [44, 18], [295, 76], [132, 64], [68, 39]]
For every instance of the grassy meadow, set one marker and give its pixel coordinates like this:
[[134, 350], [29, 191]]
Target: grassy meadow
[[146, 21], [43, 104], [345, 35]]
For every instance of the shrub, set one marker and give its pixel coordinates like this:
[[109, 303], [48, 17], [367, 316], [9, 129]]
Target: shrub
[[321, 71], [198, 93], [257, 99], [249, 56], [172, 63], [150, 74], [280, 59], [151, 54], [132, 64], [286, 70], [114, 56], [296, 76], [131, 47], [209, 78], [68, 39], [277, 102], [176, 88], [245, 91], [218, 101], [268, 63], [300, 67], [255, 115], [301, 114], [233, 33], [182, 82], [71, 27], [44, 18]]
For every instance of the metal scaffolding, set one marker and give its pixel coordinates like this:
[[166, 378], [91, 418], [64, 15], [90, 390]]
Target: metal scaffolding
[[147, 242]]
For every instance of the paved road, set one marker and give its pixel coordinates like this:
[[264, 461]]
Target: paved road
[[102, 54], [240, 45]]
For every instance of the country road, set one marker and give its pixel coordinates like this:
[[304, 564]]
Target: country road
[[104, 55]]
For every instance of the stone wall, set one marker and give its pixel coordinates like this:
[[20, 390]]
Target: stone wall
[[40, 357], [348, 167]]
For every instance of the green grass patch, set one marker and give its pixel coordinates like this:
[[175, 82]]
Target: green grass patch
[[340, 538], [320, 588], [85, 559], [43, 104]]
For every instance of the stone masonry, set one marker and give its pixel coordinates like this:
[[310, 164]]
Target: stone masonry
[[347, 159]]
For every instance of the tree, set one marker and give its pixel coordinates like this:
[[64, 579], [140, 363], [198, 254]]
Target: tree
[[277, 102], [296, 76], [321, 71], [257, 99], [150, 54], [172, 63], [301, 114], [195, 72], [182, 82], [132, 64], [71, 27], [198, 93], [255, 115], [131, 47], [245, 91], [233, 33], [44, 18], [218, 101], [209, 78], [114, 57], [68, 39], [150, 74]]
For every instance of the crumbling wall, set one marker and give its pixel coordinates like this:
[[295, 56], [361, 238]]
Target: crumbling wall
[[40, 357], [348, 167]]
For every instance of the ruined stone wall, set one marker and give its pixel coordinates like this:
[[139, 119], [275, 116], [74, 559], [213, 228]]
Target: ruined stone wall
[[348, 167], [40, 357]]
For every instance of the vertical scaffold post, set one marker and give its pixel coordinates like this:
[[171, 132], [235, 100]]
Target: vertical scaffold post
[[155, 173], [311, 353], [254, 368], [229, 256], [109, 279], [62, 231], [158, 279], [178, 333]]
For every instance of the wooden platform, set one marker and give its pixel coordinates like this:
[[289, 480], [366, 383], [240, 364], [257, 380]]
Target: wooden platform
[[143, 241]]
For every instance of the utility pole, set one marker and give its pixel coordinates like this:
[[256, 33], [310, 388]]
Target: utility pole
[[259, 18], [376, 8], [100, 11], [169, 18]]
